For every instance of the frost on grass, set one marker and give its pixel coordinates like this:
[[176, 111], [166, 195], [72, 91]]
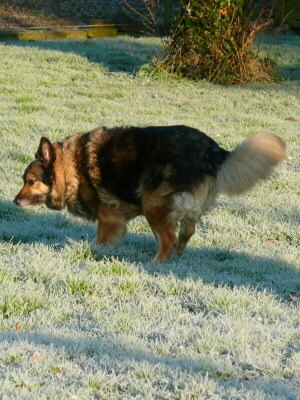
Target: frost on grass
[[81, 322]]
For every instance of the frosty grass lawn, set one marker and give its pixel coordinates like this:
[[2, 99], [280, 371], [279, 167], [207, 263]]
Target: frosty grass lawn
[[80, 322]]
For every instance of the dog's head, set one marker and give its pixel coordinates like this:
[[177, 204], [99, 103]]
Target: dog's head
[[42, 183]]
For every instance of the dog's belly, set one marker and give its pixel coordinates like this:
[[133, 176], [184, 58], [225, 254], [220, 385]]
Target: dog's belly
[[128, 210], [80, 209]]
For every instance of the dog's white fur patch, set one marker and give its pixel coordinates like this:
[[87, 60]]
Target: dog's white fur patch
[[192, 205]]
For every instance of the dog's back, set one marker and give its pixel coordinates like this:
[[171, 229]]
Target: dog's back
[[128, 159]]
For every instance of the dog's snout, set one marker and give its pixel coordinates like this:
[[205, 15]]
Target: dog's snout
[[16, 201]]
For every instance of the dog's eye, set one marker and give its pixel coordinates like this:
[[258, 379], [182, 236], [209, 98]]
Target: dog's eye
[[31, 182]]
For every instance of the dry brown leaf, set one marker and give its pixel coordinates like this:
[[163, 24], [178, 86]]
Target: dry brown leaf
[[291, 119], [35, 356], [18, 327], [271, 242]]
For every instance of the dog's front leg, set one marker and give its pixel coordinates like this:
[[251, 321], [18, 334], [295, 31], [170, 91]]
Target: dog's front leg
[[111, 225]]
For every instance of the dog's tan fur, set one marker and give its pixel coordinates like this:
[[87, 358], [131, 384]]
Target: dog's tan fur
[[73, 174], [252, 160]]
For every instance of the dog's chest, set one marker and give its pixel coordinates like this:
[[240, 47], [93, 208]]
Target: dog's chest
[[81, 209], [84, 202]]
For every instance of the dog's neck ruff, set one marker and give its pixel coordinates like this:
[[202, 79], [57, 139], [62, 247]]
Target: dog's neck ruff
[[70, 170]]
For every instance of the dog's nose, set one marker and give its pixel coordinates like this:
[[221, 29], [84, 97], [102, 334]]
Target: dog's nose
[[16, 201]]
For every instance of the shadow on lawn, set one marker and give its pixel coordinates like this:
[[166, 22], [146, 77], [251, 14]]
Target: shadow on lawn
[[220, 266], [116, 55], [127, 55], [108, 352]]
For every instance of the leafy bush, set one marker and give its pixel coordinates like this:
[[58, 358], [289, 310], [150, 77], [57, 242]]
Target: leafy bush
[[213, 40]]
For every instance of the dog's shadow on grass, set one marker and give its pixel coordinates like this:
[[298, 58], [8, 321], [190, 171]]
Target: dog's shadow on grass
[[219, 266], [216, 266]]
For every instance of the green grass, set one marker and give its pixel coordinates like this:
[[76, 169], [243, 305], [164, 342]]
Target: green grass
[[81, 322]]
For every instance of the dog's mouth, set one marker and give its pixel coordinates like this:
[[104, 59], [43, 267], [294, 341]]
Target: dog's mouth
[[26, 202]]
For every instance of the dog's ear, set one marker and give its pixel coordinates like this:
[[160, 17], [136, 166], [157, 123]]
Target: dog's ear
[[45, 152]]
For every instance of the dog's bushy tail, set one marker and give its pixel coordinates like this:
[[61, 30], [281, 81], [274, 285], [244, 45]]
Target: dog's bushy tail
[[251, 161]]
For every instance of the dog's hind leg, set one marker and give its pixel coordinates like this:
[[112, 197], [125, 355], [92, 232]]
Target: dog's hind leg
[[186, 231], [111, 225], [157, 208], [165, 233]]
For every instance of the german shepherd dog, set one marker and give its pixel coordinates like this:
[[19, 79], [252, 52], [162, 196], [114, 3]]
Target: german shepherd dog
[[169, 174]]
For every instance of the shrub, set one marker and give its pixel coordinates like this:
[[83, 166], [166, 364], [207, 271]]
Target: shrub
[[214, 39]]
